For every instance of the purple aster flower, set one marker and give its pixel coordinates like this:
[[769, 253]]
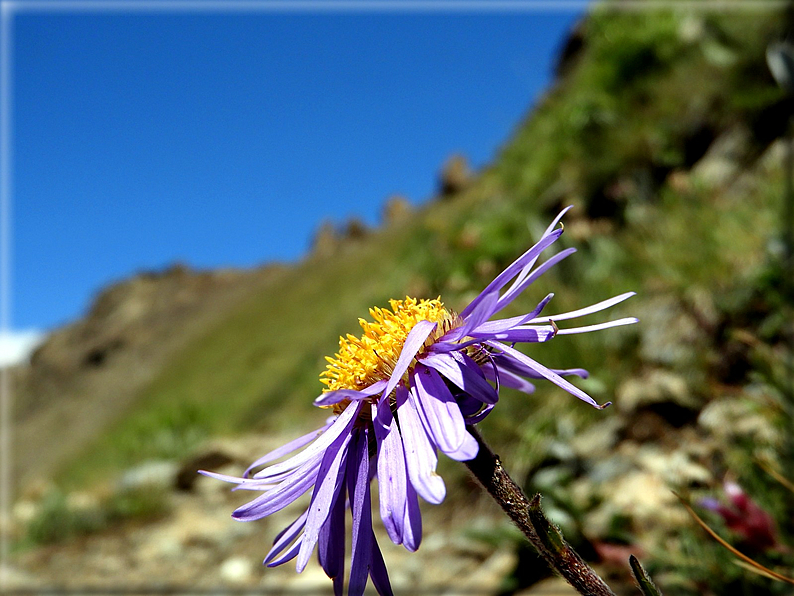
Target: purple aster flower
[[404, 390]]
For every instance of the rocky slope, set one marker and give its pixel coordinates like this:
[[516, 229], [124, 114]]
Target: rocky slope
[[87, 374]]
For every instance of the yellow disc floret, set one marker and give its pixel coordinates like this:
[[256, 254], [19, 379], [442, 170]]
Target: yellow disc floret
[[363, 361]]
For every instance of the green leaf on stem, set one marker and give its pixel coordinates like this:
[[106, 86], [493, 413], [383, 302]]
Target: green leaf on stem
[[549, 534], [646, 585]]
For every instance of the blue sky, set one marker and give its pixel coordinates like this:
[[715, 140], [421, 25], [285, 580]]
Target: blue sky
[[225, 139]]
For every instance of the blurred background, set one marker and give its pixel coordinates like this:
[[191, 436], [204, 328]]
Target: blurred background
[[204, 201]]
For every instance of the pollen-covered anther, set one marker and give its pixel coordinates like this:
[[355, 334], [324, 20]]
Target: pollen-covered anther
[[362, 361]]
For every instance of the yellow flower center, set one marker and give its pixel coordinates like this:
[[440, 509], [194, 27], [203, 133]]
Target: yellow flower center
[[362, 361]]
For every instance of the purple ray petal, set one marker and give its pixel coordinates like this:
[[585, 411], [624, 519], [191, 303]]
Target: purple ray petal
[[339, 426], [288, 555], [529, 279], [392, 481], [467, 404], [505, 324], [382, 416], [607, 325], [413, 343], [505, 363], [330, 480], [547, 374], [232, 479], [468, 449], [571, 372], [262, 485], [286, 536], [525, 260], [420, 454], [524, 334], [412, 523], [520, 280], [288, 448], [461, 376], [422, 415], [588, 310], [474, 370], [444, 420], [250, 483], [444, 347], [510, 379], [331, 543], [378, 572], [358, 487], [334, 397], [282, 495], [557, 219], [479, 416], [479, 314]]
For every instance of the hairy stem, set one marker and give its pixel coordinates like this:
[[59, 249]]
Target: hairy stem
[[529, 518]]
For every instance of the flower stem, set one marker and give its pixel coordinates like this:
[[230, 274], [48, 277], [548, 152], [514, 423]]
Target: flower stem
[[529, 518]]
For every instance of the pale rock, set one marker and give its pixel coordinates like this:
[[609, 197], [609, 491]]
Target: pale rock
[[553, 586], [609, 468], [655, 386], [722, 162], [82, 501], [466, 541], [772, 158], [562, 449], [160, 543], [670, 336], [326, 240], [311, 580], [397, 209], [236, 570], [718, 54], [455, 176], [674, 467], [487, 576], [546, 479], [24, 511], [434, 542], [13, 578], [641, 495], [702, 303], [445, 572], [596, 439], [691, 29], [150, 474], [738, 417]]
